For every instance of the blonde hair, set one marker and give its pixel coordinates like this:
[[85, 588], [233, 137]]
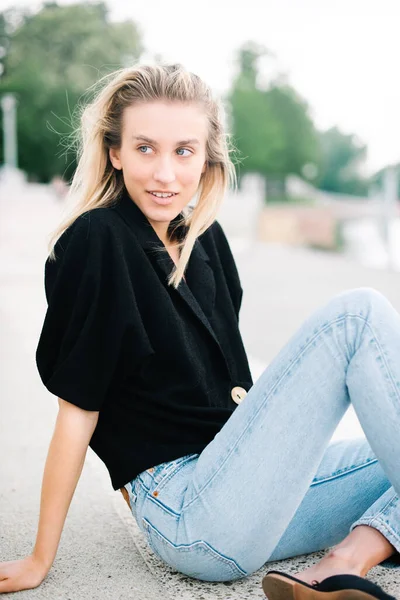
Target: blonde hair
[[97, 184]]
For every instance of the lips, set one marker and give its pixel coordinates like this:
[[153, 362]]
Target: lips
[[162, 201], [153, 193]]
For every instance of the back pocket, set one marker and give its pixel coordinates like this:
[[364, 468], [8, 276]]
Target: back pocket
[[198, 559]]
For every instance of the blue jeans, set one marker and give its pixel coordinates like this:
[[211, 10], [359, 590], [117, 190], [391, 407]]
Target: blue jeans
[[269, 485]]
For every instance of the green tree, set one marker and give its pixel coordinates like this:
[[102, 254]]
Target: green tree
[[52, 57], [377, 180], [271, 127], [342, 156]]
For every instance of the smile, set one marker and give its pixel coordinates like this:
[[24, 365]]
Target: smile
[[163, 194], [160, 199]]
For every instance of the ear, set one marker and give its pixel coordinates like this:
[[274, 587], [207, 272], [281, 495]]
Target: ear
[[204, 168], [114, 155]]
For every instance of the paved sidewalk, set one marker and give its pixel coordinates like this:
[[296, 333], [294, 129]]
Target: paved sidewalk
[[102, 553]]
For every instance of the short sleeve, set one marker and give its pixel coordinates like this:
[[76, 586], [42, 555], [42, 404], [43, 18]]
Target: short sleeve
[[91, 315], [229, 266]]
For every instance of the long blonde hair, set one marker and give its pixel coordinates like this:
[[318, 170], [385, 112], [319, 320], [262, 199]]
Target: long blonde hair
[[96, 184]]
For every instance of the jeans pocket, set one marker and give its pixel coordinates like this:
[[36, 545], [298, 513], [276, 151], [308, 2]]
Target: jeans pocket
[[197, 559]]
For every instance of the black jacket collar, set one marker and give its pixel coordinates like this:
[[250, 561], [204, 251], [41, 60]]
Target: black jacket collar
[[144, 230], [198, 292]]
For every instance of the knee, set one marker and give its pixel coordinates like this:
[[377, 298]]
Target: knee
[[361, 300]]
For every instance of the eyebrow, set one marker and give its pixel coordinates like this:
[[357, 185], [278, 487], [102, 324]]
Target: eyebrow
[[150, 141]]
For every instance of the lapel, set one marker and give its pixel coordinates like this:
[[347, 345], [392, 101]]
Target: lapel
[[199, 291]]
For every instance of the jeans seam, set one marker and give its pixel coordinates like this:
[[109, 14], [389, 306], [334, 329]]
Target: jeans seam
[[142, 483], [375, 517], [392, 380], [343, 472], [324, 328], [187, 547], [171, 472], [163, 506]]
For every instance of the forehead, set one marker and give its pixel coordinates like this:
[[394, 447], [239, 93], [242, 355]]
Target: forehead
[[165, 121]]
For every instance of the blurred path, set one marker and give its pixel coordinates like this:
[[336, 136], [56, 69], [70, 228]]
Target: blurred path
[[100, 555]]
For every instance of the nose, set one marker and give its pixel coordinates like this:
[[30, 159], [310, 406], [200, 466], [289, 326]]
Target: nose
[[164, 171]]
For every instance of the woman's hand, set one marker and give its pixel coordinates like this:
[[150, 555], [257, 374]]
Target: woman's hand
[[24, 574]]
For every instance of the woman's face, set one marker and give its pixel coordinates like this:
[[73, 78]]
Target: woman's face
[[163, 150]]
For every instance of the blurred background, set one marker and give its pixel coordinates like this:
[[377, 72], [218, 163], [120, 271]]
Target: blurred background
[[310, 91], [311, 94]]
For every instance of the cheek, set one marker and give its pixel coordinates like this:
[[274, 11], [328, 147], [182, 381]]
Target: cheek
[[137, 170], [191, 176]]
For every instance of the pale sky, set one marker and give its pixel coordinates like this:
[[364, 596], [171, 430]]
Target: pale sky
[[342, 56]]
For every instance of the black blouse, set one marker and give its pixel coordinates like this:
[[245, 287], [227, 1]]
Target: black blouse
[[158, 364]]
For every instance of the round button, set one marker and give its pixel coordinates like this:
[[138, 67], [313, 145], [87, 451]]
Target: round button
[[238, 394]]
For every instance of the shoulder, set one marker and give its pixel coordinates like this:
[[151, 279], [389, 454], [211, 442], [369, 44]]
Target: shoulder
[[88, 253], [94, 222], [91, 230], [218, 248], [214, 238], [83, 248], [213, 232]]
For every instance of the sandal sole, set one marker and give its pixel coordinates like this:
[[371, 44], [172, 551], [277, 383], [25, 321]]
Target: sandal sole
[[277, 587]]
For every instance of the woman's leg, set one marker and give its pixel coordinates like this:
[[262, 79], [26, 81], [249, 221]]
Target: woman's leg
[[247, 484], [349, 490]]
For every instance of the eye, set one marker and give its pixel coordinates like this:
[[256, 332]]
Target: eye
[[143, 147], [186, 150]]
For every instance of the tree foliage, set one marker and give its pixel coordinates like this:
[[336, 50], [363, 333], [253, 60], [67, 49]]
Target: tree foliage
[[272, 128], [377, 180], [51, 58], [342, 155]]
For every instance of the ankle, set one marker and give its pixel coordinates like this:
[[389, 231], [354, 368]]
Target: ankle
[[351, 563], [364, 548]]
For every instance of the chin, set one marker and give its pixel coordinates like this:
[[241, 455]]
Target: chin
[[172, 208], [161, 213]]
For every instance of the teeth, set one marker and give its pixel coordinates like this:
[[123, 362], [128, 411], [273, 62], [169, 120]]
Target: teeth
[[161, 195]]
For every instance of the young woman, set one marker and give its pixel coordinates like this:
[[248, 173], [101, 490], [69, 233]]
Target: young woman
[[141, 344]]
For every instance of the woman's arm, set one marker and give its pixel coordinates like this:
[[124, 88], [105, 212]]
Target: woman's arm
[[73, 430], [67, 451]]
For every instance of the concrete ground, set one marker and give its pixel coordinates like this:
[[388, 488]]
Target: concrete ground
[[102, 554]]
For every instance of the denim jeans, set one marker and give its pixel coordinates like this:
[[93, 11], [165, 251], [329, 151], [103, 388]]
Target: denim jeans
[[270, 485]]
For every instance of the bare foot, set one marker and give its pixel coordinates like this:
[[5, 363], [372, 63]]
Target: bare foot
[[334, 563]]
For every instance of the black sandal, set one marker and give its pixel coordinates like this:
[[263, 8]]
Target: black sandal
[[281, 586]]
